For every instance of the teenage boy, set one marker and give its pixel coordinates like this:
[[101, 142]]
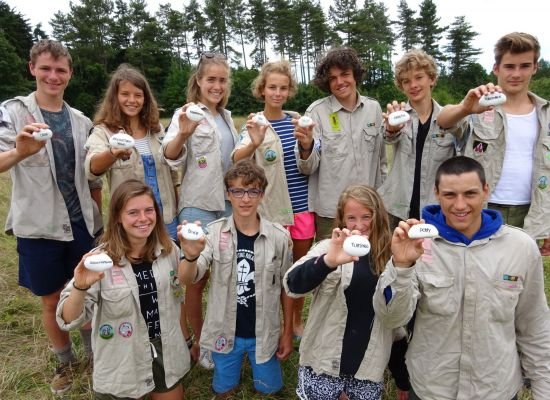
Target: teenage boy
[[511, 141], [345, 144], [247, 257], [52, 213], [478, 290]]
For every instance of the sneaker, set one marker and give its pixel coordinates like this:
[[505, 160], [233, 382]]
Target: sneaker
[[63, 378], [205, 359]]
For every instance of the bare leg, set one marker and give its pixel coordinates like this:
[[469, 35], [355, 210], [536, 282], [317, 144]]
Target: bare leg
[[58, 338], [300, 249]]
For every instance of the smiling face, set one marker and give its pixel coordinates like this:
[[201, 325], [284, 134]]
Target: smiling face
[[138, 218], [246, 206], [417, 85], [515, 71], [461, 198], [357, 217], [213, 85], [342, 84], [276, 90], [52, 75], [130, 99]]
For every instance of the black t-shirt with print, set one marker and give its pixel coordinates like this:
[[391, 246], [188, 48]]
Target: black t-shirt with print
[[148, 297], [246, 288]]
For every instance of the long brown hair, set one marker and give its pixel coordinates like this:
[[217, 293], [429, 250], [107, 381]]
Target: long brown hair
[[193, 88], [109, 112], [115, 241], [380, 234]]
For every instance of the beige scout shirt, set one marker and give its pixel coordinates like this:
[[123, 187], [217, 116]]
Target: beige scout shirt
[[37, 209], [123, 362], [438, 147], [121, 170], [202, 184], [481, 317], [486, 134], [272, 258], [276, 205], [321, 345], [349, 149]]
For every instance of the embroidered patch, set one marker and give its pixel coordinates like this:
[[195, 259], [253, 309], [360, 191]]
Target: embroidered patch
[[220, 344], [542, 182], [479, 147], [201, 162], [125, 330], [224, 241], [117, 276], [511, 278], [270, 155], [371, 124], [106, 331], [488, 116], [427, 256], [334, 122]]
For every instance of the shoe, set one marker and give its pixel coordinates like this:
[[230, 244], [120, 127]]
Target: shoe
[[205, 359], [63, 378]]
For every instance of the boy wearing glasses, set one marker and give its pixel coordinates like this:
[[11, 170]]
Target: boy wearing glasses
[[247, 257]]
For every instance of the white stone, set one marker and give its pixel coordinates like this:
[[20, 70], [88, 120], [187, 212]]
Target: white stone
[[194, 113], [42, 134], [191, 231], [305, 121], [98, 262], [398, 117], [421, 231], [356, 245], [259, 119], [492, 99], [121, 140]]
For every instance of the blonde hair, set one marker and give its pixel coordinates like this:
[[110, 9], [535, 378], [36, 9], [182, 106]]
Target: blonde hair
[[115, 241], [110, 113], [275, 67], [206, 60], [380, 234], [414, 60]]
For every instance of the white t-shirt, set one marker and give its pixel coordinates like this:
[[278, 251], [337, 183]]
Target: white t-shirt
[[514, 185]]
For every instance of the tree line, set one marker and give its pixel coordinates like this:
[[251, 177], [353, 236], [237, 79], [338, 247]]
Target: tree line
[[165, 45]]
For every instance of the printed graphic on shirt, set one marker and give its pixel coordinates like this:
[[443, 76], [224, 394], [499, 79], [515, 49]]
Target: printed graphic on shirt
[[246, 286], [334, 122], [148, 297]]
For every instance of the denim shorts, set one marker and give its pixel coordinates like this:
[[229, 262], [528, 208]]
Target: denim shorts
[[192, 214], [46, 265], [268, 378]]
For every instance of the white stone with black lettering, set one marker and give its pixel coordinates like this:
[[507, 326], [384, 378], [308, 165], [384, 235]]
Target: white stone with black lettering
[[421, 231], [492, 99], [98, 262], [356, 245], [398, 117], [191, 231]]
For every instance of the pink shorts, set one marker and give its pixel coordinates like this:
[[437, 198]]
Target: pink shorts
[[304, 226]]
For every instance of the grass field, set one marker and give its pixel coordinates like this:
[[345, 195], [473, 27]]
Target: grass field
[[26, 364]]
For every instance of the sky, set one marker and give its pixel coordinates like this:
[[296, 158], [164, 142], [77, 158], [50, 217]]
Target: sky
[[491, 19]]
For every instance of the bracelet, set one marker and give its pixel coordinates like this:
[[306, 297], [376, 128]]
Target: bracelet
[[189, 342], [190, 260], [81, 289]]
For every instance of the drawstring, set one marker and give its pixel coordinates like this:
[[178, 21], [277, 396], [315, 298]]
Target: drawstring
[[153, 350]]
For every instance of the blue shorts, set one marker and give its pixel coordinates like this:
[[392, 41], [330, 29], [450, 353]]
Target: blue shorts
[[46, 265], [192, 214], [268, 378]]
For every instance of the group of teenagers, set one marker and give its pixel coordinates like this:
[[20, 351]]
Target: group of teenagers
[[467, 307]]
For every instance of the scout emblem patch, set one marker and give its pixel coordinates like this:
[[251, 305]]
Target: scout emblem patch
[[479, 147], [201, 162], [543, 182], [106, 331], [125, 330], [270, 155]]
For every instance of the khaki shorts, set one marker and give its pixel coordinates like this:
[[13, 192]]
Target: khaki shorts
[[158, 376]]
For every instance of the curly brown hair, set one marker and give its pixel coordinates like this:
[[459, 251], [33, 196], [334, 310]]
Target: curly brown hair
[[341, 57], [249, 172]]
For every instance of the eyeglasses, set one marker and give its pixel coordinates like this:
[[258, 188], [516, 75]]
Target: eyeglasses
[[209, 55], [252, 193]]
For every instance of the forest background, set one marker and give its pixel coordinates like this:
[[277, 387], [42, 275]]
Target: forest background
[[166, 44]]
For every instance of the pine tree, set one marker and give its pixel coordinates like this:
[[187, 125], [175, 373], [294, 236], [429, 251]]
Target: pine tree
[[429, 31], [342, 16], [460, 52], [407, 28]]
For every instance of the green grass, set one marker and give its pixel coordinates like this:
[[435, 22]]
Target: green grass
[[26, 364]]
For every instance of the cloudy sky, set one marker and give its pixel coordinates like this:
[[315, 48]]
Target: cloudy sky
[[490, 18]]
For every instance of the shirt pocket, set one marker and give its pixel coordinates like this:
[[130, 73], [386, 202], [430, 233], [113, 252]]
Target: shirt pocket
[[334, 145], [505, 299], [203, 140], [438, 295], [444, 146], [369, 136], [117, 302], [39, 159]]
